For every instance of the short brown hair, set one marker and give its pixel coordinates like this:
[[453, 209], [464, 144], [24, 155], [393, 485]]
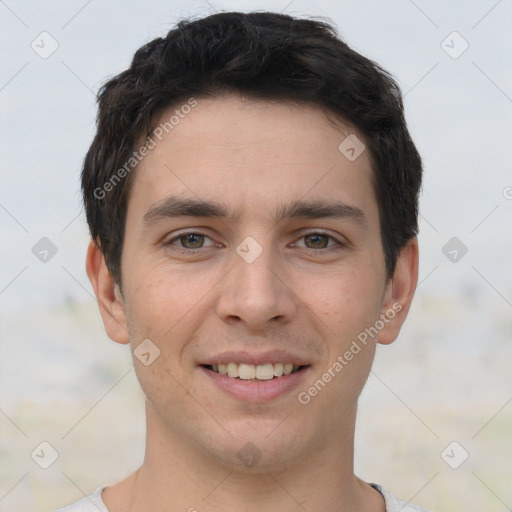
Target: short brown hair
[[262, 55]]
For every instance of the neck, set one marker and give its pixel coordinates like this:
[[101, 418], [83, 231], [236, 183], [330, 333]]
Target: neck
[[178, 476]]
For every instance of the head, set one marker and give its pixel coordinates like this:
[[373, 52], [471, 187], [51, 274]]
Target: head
[[228, 138], [262, 56]]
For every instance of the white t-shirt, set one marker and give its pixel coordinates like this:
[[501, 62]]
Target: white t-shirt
[[94, 503]]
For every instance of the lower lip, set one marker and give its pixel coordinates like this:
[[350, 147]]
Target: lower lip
[[257, 391]]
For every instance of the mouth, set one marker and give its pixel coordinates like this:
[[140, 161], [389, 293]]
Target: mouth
[[256, 383], [255, 373]]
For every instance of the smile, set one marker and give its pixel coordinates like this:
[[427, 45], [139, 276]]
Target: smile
[[245, 371], [255, 382]]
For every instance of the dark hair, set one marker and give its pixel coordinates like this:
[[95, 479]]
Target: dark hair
[[262, 55]]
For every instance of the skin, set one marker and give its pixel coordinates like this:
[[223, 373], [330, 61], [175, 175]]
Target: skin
[[297, 295]]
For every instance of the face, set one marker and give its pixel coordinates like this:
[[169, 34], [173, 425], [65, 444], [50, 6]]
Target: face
[[253, 245]]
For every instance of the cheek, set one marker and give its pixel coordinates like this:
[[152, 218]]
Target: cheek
[[168, 307], [161, 298], [344, 306], [345, 303]]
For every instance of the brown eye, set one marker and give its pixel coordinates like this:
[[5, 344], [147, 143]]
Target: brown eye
[[193, 243], [192, 240], [316, 241]]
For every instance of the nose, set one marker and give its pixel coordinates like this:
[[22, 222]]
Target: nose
[[256, 294]]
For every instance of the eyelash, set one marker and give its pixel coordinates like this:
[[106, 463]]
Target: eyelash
[[183, 250]]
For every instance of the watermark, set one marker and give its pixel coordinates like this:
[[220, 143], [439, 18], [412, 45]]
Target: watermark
[[146, 352], [137, 156], [352, 147], [44, 250], [304, 397], [44, 455], [454, 45], [249, 455], [249, 249], [454, 249], [44, 45], [455, 455]]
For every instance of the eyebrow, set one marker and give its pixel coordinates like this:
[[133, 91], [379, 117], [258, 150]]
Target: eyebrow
[[174, 206]]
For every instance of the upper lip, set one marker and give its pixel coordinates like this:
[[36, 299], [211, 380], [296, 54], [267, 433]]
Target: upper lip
[[269, 356]]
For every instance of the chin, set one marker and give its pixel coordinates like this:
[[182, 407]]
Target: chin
[[259, 446]]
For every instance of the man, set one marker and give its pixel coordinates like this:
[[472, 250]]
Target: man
[[251, 194]]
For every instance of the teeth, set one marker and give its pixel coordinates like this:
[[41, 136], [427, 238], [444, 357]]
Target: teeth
[[278, 369], [265, 371], [250, 371], [233, 369], [246, 371]]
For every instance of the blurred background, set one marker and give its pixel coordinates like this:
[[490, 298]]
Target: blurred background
[[435, 419]]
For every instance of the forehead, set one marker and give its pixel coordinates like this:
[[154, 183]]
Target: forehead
[[254, 155]]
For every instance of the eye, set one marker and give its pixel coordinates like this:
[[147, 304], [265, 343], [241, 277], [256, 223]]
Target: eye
[[192, 240], [189, 242], [319, 240]]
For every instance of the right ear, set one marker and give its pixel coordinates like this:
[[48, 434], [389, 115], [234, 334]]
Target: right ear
[[108, 294]]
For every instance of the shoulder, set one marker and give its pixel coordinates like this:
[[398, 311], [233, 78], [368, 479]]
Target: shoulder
[[91, 503], [393, 504]]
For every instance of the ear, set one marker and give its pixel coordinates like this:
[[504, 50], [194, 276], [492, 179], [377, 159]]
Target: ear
[[399, 292], [108, 294]]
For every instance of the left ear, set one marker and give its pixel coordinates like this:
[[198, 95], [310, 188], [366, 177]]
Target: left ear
[[399, 292]]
